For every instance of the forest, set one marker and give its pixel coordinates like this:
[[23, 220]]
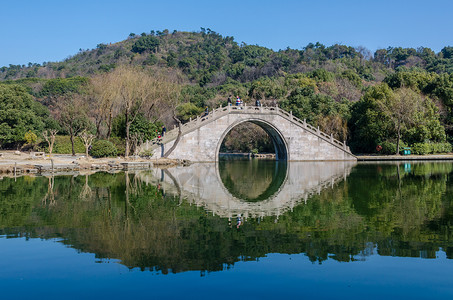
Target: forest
[[122, 93]]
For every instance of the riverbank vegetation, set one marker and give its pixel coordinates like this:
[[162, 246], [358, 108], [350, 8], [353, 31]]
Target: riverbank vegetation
[[393, 98]]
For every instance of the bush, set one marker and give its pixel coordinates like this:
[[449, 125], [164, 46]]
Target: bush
[[442, 148], [140, 125], [389, 148], [420, 148], [103, 148], [63, 145], [30, 137], [146, 153], [120, 144], [431, 148]]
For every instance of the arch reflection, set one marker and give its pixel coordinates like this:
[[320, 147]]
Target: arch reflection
[[252, 180]]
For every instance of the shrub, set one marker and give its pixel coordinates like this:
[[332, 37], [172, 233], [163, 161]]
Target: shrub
[[146, 153], [188, 110], [420, 148], [389, 148], [431, 148], [119, 143], [63, 145], [103, 148], [30, 137]]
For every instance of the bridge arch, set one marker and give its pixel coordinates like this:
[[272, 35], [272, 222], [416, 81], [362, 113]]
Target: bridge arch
[[280, 145], [199, 140]]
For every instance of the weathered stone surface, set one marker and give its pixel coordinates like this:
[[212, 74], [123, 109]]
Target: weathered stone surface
[[294, 140]]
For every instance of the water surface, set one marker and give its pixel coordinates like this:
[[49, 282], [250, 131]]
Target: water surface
[[252, 229]]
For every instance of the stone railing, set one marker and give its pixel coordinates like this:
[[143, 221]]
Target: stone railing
[[217, 113]]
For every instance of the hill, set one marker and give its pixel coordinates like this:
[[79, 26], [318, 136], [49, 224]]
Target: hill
[[335, 87]]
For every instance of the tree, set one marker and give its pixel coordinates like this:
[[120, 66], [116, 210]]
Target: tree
[[402, 109], [369, 127], [87, 139], [104, 103], [72, 115], [49, 136], [146, 43], [134, 92], [19, 113]]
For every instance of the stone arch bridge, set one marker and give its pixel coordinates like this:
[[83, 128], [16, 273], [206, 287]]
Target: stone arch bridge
[[294, 139]]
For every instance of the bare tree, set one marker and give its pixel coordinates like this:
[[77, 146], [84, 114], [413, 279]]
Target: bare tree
[[134, 91], [49, 136], [72, 115], [137, 140], [87, 140], [104, 104], [365, 54], [334, 125]]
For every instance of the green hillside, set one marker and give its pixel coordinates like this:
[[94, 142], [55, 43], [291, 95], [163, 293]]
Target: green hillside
[[396, 94]]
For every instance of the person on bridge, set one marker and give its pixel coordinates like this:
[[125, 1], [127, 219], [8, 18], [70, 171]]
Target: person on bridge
[[258, 102], [164, 131], [229, 100], [206, 112]]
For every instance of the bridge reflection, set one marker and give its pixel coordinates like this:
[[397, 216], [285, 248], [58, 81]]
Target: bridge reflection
[[253, 180], [230, 190]]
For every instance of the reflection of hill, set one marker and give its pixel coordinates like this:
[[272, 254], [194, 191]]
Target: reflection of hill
[[399, 213]]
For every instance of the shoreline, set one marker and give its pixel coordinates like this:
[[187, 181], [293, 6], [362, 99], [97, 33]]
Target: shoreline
[[21, 163], [404, 157]]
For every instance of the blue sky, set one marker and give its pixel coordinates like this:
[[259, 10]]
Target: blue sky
[[38, 31]]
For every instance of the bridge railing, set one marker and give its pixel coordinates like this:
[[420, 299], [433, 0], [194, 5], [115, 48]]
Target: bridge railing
[[313, 129], [221, 111]]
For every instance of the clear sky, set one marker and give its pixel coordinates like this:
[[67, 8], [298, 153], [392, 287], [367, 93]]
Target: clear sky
[[51, 30]]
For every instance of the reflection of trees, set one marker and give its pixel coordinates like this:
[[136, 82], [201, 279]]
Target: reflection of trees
[[86, 193], [50, 195], [399, 209], [409, 215], [17, 199]]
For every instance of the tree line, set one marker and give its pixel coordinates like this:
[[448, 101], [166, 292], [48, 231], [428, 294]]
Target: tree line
[[124, 92]]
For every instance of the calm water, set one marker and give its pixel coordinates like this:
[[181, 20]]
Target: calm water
[[254, 229]]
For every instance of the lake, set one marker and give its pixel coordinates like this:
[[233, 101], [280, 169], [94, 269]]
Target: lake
[[240, 228]]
